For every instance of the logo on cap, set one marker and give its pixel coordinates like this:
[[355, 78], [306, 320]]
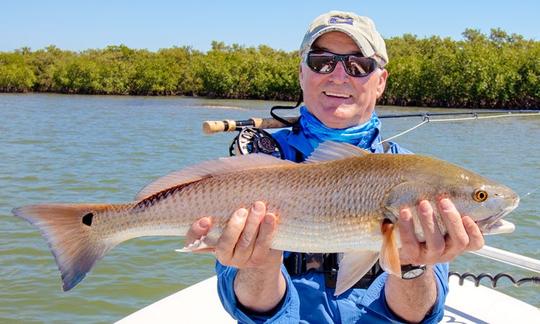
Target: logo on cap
[[340, 20]]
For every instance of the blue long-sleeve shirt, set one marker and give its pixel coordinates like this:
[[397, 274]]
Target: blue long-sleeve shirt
[[307, 299]]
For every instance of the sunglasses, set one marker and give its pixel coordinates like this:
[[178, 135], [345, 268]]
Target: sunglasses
[[324, 62]]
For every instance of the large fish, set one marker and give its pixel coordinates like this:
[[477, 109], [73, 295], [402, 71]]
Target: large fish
[[341, 199]]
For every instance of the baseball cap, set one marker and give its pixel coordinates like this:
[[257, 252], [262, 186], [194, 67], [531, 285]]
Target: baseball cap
[[360, 28]]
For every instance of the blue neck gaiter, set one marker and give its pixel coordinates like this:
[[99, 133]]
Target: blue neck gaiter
[[316, 132]]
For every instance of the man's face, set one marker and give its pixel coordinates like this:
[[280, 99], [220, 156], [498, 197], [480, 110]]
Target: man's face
[[338, 99]]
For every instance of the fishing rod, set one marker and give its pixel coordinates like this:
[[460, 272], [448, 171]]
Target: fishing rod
[[216, 126], [229, 125], [470, 113]]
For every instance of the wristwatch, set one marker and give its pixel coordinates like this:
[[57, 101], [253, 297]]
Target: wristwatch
[[411, 271]]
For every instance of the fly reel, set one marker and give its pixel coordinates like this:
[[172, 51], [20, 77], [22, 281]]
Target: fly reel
[[254, 140]]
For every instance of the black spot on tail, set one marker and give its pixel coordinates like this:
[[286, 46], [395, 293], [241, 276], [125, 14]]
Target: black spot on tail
[[87, 219]]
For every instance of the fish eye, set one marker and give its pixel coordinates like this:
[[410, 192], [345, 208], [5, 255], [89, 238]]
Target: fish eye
[[480, 195]]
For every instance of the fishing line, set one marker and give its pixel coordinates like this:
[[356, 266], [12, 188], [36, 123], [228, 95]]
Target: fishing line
[[483, 117], [427, 119], [522, 197], [405, 132]]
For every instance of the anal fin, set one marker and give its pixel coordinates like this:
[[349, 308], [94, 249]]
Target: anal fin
[[205, 244], [199, 246], [353, 267]]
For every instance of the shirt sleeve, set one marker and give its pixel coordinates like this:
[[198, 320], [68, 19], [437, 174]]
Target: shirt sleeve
[[437, 312], [375, 300], [398, 149], [287, 312]]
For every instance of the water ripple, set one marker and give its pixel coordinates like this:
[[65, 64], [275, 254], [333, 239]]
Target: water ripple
[[120, 144]]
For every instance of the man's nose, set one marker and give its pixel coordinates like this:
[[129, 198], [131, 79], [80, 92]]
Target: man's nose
[[339, 75]]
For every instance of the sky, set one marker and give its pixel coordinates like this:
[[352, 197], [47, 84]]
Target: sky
[[280, 24]]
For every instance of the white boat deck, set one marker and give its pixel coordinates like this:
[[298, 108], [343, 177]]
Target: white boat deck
[[465, 304]]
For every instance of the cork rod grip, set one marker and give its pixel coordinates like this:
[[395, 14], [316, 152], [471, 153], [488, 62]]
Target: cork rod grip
[[216, 126]]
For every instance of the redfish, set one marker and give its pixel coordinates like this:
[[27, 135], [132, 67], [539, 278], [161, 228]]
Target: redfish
[[341, 200]]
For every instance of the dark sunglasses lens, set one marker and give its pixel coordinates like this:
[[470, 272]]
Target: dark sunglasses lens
[[321, 63], [359, 66]]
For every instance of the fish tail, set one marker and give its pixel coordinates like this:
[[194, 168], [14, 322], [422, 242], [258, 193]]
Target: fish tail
[[389, 258], [69, 233]]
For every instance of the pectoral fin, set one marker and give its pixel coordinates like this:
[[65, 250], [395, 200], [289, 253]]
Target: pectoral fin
[[389, 259], [353, 267], [405, 194]]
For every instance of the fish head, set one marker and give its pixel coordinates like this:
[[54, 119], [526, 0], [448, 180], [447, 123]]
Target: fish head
[[485, 201]]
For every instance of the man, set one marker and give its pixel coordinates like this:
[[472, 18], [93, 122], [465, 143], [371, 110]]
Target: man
[[342, 75]]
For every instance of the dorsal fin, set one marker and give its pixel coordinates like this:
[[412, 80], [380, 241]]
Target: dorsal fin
[[329, 151], [209, 169]]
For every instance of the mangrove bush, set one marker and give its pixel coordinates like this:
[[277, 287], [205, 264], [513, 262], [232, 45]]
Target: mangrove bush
[[498, 70]]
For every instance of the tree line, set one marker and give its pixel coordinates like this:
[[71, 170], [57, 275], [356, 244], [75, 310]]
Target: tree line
[[498, 70]]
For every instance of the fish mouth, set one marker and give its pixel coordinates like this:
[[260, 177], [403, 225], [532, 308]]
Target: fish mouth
[[495, 224], [487, 224]]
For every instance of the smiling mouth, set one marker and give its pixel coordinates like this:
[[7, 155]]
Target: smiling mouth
[[337, 95]]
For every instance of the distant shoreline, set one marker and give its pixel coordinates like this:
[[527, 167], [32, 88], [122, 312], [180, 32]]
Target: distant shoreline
[[496, 71], [286, 102]]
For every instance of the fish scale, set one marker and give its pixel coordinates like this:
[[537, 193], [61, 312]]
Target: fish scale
[[332, 203], [334, 195]]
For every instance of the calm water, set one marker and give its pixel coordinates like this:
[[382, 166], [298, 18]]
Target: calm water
[[104, 149]]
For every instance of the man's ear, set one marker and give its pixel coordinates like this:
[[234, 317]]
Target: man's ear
[[301, 76], [382, 82]]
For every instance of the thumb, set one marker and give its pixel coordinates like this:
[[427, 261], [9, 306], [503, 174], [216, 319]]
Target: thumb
[[198, 229]]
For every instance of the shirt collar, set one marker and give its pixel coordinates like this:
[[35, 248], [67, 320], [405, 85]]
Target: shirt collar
[[299, 141]]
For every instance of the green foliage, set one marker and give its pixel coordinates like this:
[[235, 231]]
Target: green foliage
[[498, 70], [495, 71], [16, 74], [257, 73]]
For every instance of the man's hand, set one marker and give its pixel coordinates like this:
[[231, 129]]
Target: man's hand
[[463, 234], [412, 299], [246, 244]]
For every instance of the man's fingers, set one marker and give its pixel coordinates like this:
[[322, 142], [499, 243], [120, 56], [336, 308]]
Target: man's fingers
[[249, 234], [476, 239], [198, 229], [434, 240], [229, 237], [410, 247], [458, 237], [264, 240], [246, 241]]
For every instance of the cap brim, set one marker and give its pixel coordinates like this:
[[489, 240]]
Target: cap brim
[[363, 44]]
